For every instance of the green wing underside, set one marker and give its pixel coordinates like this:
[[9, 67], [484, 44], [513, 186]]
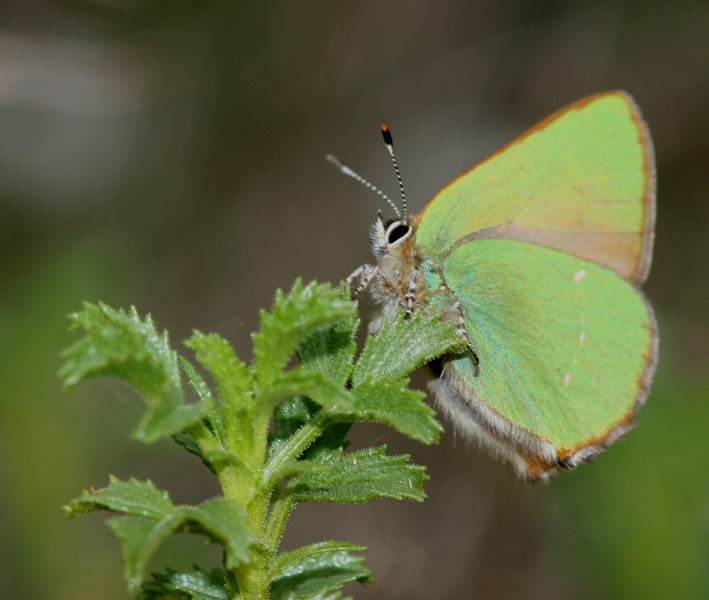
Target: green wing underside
[[565, 345], [583, 183]]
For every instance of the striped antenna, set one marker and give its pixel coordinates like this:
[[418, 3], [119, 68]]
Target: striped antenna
[[386, 134], [347, 171]]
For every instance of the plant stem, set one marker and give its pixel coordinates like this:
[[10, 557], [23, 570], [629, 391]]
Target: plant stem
[[252, 578], [277, 522], [297, 443]]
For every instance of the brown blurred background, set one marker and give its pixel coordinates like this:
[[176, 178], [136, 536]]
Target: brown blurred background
[[170, 155]]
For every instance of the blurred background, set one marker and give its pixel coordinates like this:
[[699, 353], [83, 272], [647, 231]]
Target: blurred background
[[170, 155]]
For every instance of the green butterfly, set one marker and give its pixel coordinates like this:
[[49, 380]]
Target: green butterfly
[[537, 253]]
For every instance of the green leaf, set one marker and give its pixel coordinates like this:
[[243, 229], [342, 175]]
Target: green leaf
[[331, 350], [133, 497], [362, 476], [293, 414], [317, 386], [234, 386], [206, 396], [330, 443], [289, 560], [165, 420], [329, 596], [220, 458], [224, 521], [394, 404], [219, 519], [316, 576], [271, 482], [139, 537], [190, 444], [197, 585], [119, 344], [403, 345], [294, 319], [153, 518], [288, 417]]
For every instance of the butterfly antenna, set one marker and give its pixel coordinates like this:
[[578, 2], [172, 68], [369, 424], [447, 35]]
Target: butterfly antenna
[[386, 134], [347, 171]]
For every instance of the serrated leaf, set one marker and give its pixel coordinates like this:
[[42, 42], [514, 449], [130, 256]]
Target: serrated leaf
[[132, 497], [220, 519], [317, 386], [120, 344], [331, 350], [402, 346], [139, 537], [290, 416], [293, 320], [197, 585], [331, 595], [220, 458], [362, 476], [330, 443], [316, 576], [271, 483], [206, 396], [293, 558], [394, 404], [190, 444], [224, 521], [233, 383], [165, 420]]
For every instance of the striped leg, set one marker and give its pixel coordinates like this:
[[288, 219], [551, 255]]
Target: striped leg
[[463, 332], [366, 273], [410, 296]]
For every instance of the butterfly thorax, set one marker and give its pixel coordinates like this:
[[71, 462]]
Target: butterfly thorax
[[401, 279]]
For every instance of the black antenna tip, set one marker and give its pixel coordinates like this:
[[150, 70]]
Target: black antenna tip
[[386, 134]]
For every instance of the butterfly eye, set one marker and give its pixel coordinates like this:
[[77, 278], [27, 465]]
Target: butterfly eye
[[396, 232]]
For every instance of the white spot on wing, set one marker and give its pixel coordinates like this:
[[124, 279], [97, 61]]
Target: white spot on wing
[[567, 379], [579, 276]]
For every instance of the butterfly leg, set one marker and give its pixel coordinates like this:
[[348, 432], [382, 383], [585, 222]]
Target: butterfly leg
[[366, 272], [463, 332], [410, 296]]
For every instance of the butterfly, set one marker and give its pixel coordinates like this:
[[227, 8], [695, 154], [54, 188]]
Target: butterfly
[[536, 254]]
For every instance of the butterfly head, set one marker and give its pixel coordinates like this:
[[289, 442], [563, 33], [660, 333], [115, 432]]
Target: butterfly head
[[389, 235]]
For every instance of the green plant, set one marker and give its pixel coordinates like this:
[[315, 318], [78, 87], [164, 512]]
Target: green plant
[[273, 435]]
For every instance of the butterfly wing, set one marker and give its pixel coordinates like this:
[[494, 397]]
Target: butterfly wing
[[543, 244], [567, 350], [582, 181]]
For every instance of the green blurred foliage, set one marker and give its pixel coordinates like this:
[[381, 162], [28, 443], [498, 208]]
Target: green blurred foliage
[[45, 447]]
